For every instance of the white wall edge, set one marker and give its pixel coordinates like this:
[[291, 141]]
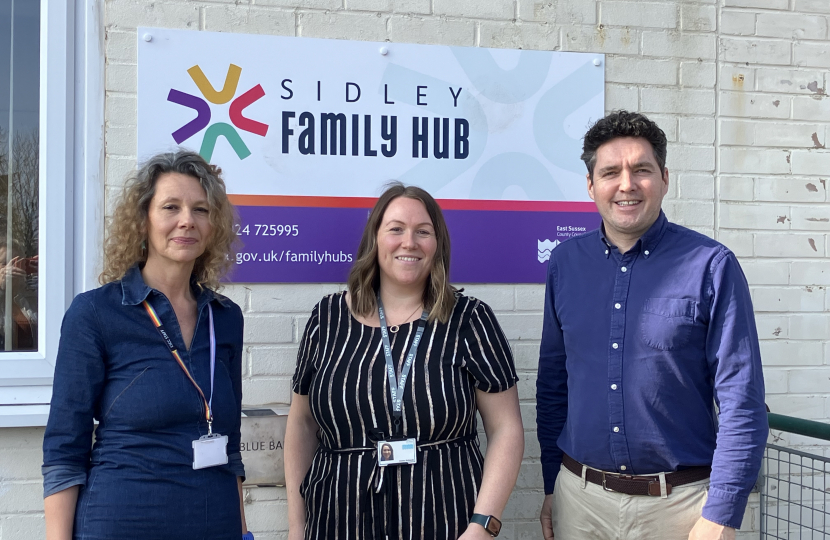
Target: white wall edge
[[88, 174], [23, 415], [56, 159]]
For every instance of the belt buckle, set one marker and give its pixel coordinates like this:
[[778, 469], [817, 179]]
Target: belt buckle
[[606, 488]]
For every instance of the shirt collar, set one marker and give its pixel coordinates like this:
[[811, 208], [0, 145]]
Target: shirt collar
[[135, 291], [647, 243]]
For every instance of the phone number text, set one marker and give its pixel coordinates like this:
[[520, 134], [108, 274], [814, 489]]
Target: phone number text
[[257, 229]]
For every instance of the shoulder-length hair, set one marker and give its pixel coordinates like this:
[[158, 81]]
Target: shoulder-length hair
[[125, 245], [364, 277]]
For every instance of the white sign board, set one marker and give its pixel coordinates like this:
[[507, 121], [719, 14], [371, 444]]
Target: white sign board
[[295, 118]]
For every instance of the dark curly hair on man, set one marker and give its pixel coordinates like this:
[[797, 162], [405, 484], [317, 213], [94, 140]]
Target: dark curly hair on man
[[623, 124]]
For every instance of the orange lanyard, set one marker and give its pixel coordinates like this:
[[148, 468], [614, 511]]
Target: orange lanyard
[[157, 322]]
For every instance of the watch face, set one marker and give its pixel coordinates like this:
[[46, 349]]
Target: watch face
[[493, 526]]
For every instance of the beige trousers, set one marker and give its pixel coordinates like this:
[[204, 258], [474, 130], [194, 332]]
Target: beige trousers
[[585, 511]]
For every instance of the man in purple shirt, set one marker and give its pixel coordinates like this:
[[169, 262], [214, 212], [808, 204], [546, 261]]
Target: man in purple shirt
[[650, 395]]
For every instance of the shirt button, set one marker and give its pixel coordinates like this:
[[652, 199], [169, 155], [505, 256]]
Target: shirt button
[[623, 467], [613, 387], [616, 429], [646, 252], [624, 269], [618, 306], [606, 252], [615, 346]]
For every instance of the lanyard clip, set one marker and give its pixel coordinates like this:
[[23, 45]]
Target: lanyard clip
[[210, 426]]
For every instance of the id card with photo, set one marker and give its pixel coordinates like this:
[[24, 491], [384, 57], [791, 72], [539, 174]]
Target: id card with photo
[[396, 452], [210, 451]]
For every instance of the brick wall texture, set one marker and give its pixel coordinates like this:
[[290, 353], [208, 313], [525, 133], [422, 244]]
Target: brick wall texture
[[739, 86]]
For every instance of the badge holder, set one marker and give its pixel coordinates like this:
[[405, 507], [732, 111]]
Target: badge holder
[[210, 450], [396, 452]]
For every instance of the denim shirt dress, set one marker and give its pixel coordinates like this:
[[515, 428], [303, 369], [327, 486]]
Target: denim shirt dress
[[137, 479]]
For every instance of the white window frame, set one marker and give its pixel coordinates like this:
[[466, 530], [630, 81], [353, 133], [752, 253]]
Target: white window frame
[[71, 193]]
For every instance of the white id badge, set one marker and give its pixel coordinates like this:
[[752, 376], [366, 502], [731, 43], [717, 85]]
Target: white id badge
[[396, 452], [210, 451]]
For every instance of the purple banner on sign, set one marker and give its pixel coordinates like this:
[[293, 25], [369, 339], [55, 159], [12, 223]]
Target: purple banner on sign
[[318, 244], [509, 247]]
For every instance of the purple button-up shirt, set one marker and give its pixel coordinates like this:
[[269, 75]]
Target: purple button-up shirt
[[638, 348]]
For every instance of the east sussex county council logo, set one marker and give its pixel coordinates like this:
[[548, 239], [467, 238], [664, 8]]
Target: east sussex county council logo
[[203, 113], [544, 249]]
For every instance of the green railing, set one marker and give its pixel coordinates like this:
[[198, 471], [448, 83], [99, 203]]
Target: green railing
[[795, 485], [799, 426]]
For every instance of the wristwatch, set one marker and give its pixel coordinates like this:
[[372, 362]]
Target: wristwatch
[[248, 536], [490, 523]]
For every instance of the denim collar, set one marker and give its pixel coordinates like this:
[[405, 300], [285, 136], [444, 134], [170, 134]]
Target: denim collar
[[135, 291], [647, 243]]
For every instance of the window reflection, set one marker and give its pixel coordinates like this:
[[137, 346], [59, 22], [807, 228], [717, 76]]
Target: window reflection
[[19, 170]]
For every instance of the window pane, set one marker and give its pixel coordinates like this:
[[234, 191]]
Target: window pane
[[19, 147]]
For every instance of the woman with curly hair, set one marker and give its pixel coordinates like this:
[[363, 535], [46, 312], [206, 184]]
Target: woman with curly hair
[[154, 356]]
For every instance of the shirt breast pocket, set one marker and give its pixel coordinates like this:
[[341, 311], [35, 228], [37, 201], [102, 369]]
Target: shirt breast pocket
[[666, 323]]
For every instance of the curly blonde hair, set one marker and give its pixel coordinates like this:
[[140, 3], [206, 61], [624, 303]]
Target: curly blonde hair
[[125, 245]]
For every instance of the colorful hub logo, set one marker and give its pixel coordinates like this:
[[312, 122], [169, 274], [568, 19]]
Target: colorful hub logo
[[203, 112]]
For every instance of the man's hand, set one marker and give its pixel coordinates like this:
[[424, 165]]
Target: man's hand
[[707, 530], [545, 518]]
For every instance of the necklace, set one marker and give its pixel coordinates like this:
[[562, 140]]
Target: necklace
[[395, 327]]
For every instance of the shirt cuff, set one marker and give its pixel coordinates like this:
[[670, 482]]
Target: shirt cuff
[[235, 465], [724, 508], [60, 477]]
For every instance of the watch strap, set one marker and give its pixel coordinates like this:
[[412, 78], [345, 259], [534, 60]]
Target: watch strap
[[248, 536], [490, 523]]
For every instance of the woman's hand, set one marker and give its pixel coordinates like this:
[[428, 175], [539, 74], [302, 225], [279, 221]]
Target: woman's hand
[[475, 532], [300, 445]]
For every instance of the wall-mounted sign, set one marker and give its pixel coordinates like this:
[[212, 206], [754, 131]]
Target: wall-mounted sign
[[307, 132], [261, 444]]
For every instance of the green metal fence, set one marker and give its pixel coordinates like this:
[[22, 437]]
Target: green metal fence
[[795, 485]]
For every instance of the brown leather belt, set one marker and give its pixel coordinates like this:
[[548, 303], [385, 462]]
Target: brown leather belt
[[636, 485]]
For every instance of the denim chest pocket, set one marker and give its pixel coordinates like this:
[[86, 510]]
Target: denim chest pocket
[[666, 323]]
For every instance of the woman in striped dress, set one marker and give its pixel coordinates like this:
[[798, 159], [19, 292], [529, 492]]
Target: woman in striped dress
[[402, 360]]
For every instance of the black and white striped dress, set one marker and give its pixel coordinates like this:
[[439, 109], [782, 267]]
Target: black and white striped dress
[[341, 367]]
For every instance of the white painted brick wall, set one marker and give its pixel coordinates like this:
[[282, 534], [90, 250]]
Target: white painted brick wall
[[521, 35], [21, 486], [791, 25], [697, 73], [763, 4], [698, 18], [639, 14], [679, 44], [739, 23], [739, 86]]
